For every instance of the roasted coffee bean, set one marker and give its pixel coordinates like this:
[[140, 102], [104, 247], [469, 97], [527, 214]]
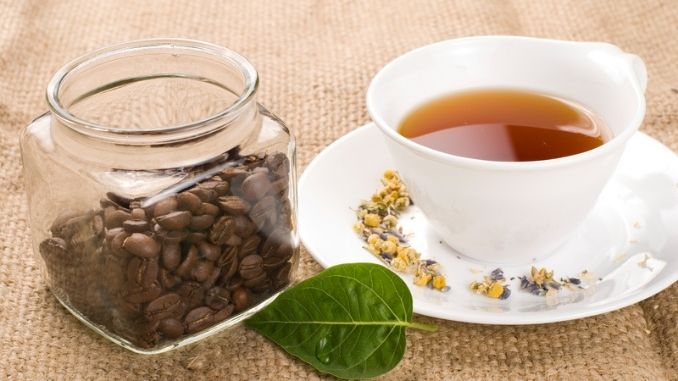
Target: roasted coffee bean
[[53, 248], [141, 245], [205, 195], [171, 328], [118, 241], [207, 208], [263, 170], [223, 313], [78, 233], [119, 200], [230, 269], [251, 266], [168, 280], [165, 206], [241, 299], [255, 186], [202, 270], [209, 251], [234, 205], [233, 283], [191, 293], [127, 309], [149, 210], [254, 161], [275, 241], [111, 233], [282, 276], [171, 255], [249, 245], [220, 187], [286, 250], [189, 201], [142, 272], [60, 222], [138, 214], [256, 281], [228, 255], [263, 286], [244, 227], [177, 220], [170, 236], [277, 164], [105, 203], [212, 278], [273, 262], [264, 213], [217, 298], [229, 262], [222, 230], [232, 173], [144, 294], [198, 319], [184, 269], [166, 306], [113, 218], [135, 226], [196, 237], [202, 222], [234, 240], [97, 225], [148, 335], [279, 187], [286, 214]]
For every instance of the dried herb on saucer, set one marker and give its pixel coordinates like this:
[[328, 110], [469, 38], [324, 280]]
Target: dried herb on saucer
[[493, 285], [541, 282], [377, 225]]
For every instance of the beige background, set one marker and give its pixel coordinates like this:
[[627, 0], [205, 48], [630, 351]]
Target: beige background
[[315, 59]]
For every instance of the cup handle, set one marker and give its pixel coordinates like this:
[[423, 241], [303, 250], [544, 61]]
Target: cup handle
[[639, 70]]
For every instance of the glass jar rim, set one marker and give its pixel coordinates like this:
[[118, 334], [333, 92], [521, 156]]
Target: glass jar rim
[[250, 76]]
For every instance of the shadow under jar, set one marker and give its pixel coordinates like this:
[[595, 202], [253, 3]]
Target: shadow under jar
[[161, 195]]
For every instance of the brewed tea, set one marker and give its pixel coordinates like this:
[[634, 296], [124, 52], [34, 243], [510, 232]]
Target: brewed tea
[[504, 125]]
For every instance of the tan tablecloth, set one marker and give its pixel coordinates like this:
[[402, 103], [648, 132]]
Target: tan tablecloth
[[315, 59]]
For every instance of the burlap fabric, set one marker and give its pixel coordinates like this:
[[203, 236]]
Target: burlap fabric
[[315, 59]]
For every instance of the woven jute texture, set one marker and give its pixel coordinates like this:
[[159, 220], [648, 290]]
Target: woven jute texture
[[315, 59]]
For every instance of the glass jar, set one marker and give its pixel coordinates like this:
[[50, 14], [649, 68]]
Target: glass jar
[[162, 197]]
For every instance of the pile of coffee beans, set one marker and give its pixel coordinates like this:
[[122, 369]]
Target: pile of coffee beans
[[149, 272]]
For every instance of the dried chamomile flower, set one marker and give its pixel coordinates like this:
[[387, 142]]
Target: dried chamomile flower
[[422, 279], [377, 225], [540, 282], [429, 270], [390, 221], [372, 220], [439, 282], [492, 286]]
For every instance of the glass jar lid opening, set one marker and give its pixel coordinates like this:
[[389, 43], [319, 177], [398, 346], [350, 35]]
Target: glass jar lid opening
[[152, 91]]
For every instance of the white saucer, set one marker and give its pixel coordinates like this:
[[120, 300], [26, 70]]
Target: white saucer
[[629, 242]]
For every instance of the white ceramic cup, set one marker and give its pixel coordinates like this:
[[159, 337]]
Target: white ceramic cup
[[509, 212]]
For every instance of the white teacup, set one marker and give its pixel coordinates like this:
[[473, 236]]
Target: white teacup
[[509, 212]]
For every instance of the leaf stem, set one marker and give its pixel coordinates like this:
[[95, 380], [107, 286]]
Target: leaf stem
[[423, 326]]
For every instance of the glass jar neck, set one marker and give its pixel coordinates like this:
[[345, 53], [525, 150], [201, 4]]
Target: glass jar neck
[[154, 104]]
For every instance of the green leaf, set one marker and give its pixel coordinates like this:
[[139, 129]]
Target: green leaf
[[348, 321]]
